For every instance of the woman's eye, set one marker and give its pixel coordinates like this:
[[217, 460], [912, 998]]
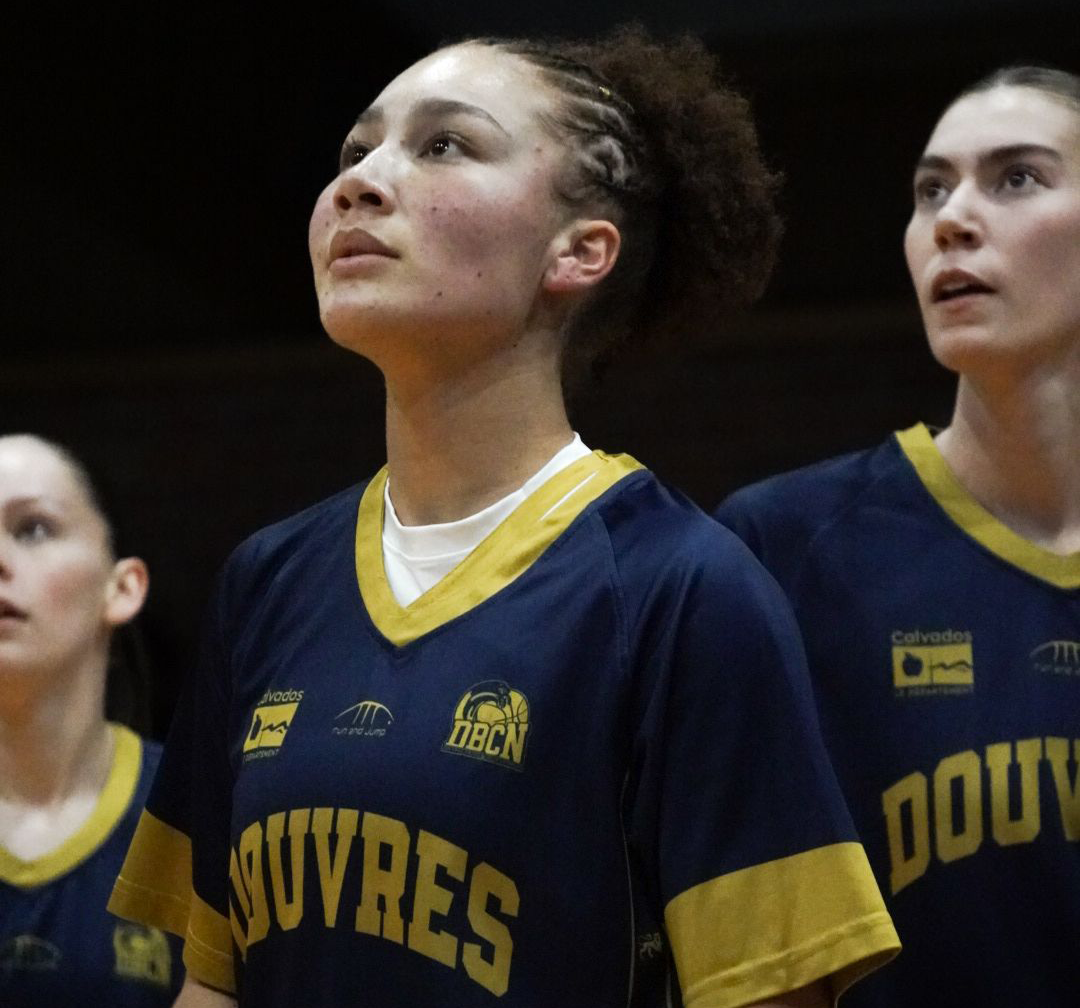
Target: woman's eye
[[929, 190], [1018, 179], [442, 145], [33, 530], [352, 154]]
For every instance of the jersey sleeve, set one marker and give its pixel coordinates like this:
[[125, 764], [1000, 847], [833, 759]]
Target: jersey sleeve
[[763, 883], [175, 875]]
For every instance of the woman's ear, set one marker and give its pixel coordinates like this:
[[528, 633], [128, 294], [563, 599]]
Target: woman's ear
[[126, 591], [584, 252]]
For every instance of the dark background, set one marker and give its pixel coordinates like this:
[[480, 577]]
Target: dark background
[[158, 314]]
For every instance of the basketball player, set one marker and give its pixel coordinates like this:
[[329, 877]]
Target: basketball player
[[936, 578], [511, 723]]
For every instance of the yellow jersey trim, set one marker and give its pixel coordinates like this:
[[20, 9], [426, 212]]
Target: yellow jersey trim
[[498, 560], [208, 934], [770, 928], [917, 443], [111, 805], [154, 885]]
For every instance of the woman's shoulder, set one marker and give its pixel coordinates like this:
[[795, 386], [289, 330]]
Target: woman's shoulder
[[306, 529], [657, 533], [790, 508]]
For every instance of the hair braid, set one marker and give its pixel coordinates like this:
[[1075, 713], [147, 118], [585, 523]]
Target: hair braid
[[666, 147]]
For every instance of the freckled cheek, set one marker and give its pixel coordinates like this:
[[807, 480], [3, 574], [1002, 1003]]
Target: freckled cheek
[[322, 220], [467, 239]]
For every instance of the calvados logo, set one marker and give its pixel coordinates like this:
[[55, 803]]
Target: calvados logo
[[925, 663], [1057, 657], [491, 723], [142, 953], [368, 718], [270, 721]]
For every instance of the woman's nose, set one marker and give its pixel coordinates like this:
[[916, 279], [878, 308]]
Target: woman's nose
[[958, 221], [364, 184]]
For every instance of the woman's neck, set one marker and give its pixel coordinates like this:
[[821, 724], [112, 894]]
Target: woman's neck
[[54, 740], [1015, 445], [456, 444]]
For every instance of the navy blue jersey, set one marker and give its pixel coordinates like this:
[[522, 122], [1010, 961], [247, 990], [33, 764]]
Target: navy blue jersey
[[945, 653], [580, 770], [58, 945]]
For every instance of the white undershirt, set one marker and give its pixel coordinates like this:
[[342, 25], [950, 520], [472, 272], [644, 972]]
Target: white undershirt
[[416, 557]]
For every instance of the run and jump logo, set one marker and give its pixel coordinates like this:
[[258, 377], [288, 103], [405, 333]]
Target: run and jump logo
[[1056, 657], [270, 722], [368, 719], [932, 662], [491, 723]]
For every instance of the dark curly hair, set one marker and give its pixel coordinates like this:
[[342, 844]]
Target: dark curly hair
[[670, 150]]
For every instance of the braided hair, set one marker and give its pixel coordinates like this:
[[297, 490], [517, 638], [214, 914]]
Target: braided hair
[[665, 146]]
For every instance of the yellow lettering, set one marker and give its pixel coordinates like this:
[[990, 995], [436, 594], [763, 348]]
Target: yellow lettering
[[385, 885], [239, 930], [966, 768], [478, 738], [430, 897], [1007, 830], [910, 791], [332, 872], [1057, 752], [289, 912], [515, 741], [493, 748], [493, 974], [251, 873], [460, 734]]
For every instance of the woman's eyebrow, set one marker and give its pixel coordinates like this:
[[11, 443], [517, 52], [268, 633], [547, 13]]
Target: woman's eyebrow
[[432, 107], [996, 155]]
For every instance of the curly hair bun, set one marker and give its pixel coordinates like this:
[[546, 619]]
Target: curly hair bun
[[670, 147]]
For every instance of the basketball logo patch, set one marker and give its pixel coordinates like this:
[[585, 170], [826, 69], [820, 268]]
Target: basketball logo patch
[[491, 723]]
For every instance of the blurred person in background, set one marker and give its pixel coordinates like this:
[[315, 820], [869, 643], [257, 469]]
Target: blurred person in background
[[72, 784]]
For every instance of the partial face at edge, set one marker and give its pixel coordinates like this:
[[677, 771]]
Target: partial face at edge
[[59, 585], [440, 225], [993, 245]]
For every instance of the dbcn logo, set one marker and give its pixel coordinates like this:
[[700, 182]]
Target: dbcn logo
[[270, 721], [938, 661], [491, 723], [142, 953], [1057, 657]]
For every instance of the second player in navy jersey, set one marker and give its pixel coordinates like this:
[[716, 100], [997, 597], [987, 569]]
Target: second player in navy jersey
[[936, 578]]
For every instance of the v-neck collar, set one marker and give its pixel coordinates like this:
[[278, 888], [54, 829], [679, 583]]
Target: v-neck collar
[[498, 560], [965, 511]]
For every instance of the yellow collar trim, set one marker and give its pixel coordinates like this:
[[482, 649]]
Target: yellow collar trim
[[918, 445], [497, 561], [113, 801]]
